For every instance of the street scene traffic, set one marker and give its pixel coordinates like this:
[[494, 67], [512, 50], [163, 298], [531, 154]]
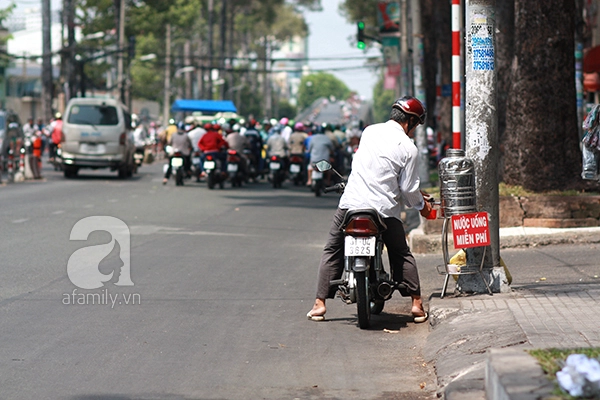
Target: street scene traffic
[[299, 199]]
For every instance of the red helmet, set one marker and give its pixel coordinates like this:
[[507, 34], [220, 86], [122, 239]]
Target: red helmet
[[413, 106], [208, 126], [216, 127]]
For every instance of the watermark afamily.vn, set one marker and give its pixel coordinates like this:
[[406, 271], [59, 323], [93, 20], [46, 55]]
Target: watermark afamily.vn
[[83, 266], [104, 298]]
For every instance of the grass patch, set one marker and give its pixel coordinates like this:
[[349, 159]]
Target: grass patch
[[550, 360]]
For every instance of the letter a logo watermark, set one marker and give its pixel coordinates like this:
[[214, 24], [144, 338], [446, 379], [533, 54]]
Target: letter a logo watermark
[[83, 265]]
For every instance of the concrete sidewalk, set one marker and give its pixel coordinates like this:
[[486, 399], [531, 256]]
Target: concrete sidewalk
[[477, 342]]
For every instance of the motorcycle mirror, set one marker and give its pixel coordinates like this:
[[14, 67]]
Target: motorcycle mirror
[[322, 165]]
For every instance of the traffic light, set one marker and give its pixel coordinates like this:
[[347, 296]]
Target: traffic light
[[360, 35]]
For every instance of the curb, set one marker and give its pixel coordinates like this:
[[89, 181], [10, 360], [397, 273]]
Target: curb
[[515, 375]]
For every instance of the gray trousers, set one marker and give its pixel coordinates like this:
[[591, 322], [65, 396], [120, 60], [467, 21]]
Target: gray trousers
[[402, 262]]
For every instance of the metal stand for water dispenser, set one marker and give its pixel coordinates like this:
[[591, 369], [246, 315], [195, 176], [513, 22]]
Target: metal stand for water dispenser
[[464, 270]]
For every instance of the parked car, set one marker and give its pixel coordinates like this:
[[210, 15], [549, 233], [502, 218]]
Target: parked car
[[97, 134]]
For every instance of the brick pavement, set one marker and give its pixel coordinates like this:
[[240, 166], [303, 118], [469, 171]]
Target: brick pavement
[[566, 317]]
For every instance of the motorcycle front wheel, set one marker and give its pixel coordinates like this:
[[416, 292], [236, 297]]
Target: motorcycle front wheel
[[363, 303]]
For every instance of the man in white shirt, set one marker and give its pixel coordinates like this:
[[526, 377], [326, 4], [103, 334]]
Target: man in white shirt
[[384, 172]]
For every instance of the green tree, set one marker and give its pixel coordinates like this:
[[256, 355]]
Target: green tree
[[320, 84], [4, 14], [382, 101]]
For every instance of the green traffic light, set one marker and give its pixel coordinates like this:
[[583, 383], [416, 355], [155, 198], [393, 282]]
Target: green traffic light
[[361, 25], [361, 45]]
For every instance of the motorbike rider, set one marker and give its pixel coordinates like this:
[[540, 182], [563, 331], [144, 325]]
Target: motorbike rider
[[140, 136], [239, 143], [297, 138], [277, 146], [320, 148], [256, 144], [181, 143], [212, 143], [384, 169], [296, 142], [285, 129]]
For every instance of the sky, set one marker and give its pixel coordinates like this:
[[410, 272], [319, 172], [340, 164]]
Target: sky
[[329, 37]]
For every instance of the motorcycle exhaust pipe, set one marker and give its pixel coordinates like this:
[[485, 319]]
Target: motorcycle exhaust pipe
[[385, 290]]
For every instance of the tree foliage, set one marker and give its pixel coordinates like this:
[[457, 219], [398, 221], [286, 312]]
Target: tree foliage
[[246, 24], [320, 84], [382, 101], [4, 14]]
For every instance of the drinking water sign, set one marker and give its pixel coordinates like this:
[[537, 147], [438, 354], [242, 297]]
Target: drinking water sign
[[471, 230]]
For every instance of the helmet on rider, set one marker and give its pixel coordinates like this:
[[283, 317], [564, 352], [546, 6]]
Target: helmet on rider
[[299, 126], [412, 106], [283, 121], [216, 127], [207, 126]]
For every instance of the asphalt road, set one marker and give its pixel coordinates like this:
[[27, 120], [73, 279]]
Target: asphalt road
[[222, 282]]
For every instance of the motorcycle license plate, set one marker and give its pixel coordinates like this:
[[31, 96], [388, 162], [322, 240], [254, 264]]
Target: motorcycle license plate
[[196, 160], [232, 167], [275, 166], [176, 162], [317, 175], [294, 168], [209, 165], [359, 246]]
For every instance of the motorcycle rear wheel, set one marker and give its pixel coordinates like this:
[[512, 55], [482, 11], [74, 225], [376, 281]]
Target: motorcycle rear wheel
[[210, 180], [179, 177], [363, 303]]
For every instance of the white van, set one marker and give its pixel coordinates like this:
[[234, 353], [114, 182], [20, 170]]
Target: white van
[[97, 134]]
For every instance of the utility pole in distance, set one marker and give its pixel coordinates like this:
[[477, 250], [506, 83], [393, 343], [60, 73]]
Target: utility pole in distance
[[167, 94], [46, 61], [482, 145]]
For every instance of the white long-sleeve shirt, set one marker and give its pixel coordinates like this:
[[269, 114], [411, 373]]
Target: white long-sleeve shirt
[[384, 170]]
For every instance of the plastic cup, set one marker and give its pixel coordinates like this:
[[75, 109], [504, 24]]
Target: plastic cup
[[432, 214]]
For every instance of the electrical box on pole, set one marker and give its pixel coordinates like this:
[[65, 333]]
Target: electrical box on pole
[[360, 35]]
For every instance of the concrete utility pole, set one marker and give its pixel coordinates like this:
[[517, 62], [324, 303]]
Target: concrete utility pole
[[210, 47], [167, 94], [223, 46], [482, 141], [187, 93], [68, 56], [120, 83], [268, 83], [46, 61], [419, 89]]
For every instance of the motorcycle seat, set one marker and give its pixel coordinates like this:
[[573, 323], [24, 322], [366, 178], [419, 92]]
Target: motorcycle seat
[[368, 211]]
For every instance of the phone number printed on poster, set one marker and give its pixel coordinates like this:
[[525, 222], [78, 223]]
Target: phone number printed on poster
[[482, 45]]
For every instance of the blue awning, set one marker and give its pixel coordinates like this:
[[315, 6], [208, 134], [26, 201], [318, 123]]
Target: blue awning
[[207, 106]]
